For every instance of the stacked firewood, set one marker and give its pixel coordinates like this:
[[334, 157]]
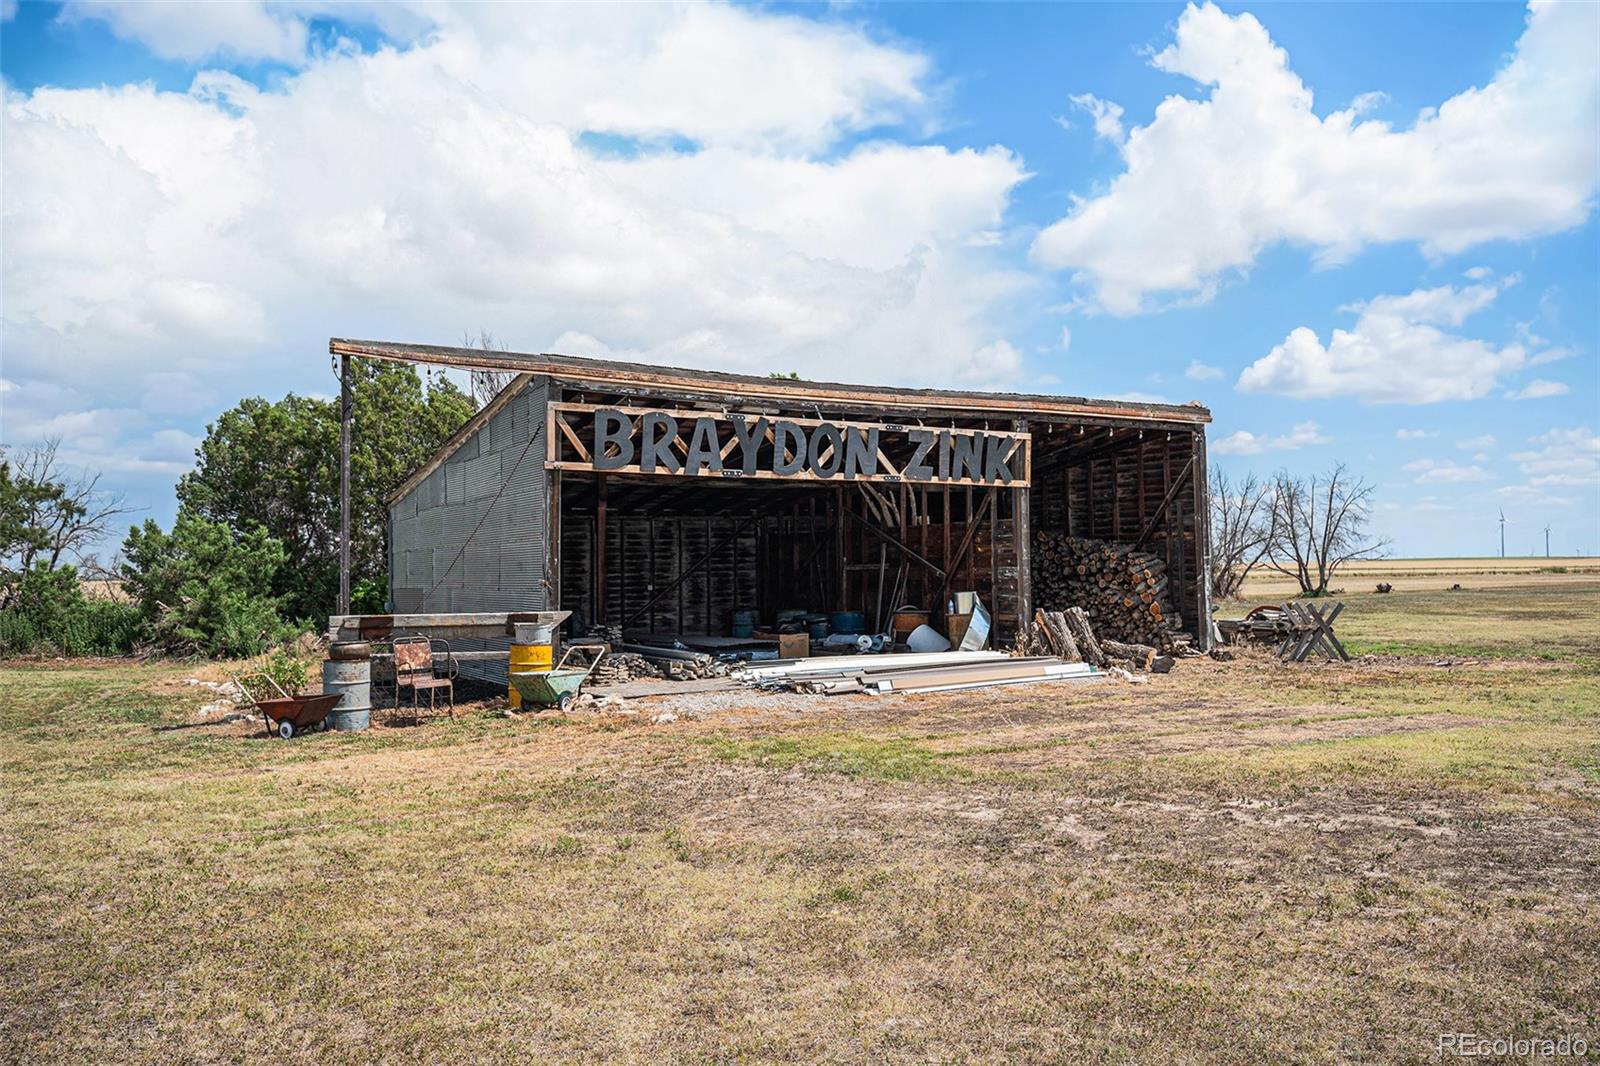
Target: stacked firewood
[[618, 667], [1070, 636], [1123, 592]]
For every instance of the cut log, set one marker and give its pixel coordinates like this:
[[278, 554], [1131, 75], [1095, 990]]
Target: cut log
[[1057, 623], [1083, 633]]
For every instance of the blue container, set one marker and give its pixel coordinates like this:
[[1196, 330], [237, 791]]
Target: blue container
[[849, 622], [819, 630], [744, 623]]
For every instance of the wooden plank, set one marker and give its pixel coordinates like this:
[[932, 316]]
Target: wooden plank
[[730, 416], [768, 475]]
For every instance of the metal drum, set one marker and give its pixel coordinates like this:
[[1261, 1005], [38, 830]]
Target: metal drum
[[532, 651], [744, 623], [352, 679]]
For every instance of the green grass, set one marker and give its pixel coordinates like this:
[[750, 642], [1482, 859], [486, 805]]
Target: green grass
[[894, 759], [1557, 622]]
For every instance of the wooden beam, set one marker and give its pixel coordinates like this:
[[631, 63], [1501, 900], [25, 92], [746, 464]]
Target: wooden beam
[[1022, 539], [974, 522], [346, 414], [600, 551], [1166, 501], [905, 549]]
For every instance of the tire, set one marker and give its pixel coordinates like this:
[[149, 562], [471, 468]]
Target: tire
[[564, 702], [286, 730], [350, 649]]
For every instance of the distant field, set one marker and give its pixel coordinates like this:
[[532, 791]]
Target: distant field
[[1426, 575]]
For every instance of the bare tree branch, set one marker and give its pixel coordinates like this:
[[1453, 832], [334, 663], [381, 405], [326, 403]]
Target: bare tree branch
[[69, 511], [487, 384], [1318, 525], [1241, 531]]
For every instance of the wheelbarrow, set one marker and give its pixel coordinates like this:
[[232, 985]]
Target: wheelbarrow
[[284, 714], [558, 687]]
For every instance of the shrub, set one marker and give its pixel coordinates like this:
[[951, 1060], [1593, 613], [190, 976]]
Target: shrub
[[204, 589], [48, 615]]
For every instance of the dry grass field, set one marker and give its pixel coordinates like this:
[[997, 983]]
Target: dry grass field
[[1236, 862]]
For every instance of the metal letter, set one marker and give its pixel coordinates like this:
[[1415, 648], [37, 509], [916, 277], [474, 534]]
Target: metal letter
[[750, 435], [656, 434], [782, 434], [612, 428], [918, 469], [995, 468], [821, 437], [965, 456], [860, 451], [704, 448]]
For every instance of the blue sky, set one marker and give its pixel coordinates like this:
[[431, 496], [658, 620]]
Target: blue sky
[[1359, 233]]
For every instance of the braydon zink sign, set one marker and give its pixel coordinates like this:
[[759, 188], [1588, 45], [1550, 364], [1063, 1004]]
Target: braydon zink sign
[[731, 445]]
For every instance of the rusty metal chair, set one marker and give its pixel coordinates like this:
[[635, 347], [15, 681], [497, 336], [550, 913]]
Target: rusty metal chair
[[414, 670]]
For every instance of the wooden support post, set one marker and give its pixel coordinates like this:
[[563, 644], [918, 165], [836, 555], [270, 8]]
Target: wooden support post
[[841, 602], [552, 547], [1202, 542], [346, 414], [600, 550], [1022, 537]]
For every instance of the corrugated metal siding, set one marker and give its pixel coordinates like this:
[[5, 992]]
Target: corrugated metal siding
[[501, 568]]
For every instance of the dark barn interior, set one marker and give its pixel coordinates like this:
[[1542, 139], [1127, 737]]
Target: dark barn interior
[[682, 554]]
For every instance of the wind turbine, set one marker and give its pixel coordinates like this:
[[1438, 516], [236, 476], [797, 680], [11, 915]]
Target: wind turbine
[[1547, 542], [1502, 532]]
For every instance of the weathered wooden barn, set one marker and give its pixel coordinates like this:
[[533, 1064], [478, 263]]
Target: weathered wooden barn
[[665, 500]]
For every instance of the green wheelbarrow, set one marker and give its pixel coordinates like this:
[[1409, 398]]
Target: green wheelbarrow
[[557, 687]]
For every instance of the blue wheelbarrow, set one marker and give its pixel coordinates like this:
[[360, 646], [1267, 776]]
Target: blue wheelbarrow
[[558, 686]]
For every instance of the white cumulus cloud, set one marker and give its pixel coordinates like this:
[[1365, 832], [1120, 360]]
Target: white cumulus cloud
[[1243, 442], [1538, 389], [1397, 352], [1430, 471], [1211, 183], [668, 181], [1563, 457], [1199, 371]]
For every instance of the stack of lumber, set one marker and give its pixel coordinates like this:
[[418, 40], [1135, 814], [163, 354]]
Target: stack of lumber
[[1123, 592], [679, 663], [928, 672]]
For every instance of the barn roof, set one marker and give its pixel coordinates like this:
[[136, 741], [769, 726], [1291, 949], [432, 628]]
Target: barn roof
[[620, 375]]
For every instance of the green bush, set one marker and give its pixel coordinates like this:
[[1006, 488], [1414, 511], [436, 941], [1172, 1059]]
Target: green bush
[[205, 590], [47, 615]]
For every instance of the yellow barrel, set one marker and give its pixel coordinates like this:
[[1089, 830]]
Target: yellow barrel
[[532, 651]]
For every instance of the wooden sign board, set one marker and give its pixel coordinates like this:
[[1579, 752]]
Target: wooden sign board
[[640, 440]]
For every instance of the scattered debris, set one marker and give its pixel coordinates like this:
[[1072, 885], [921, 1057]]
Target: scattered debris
[[1385, 587]]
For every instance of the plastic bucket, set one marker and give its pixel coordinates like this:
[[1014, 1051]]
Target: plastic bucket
[[744, 623], [849, 622]]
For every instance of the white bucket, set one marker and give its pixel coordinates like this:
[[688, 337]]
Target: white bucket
[[926, 639]]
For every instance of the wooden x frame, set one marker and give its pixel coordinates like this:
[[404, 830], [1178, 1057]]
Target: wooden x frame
[[1312, 631]]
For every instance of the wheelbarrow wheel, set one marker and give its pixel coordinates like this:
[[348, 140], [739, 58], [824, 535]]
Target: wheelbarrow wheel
[[564, 702], [286, 730]]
